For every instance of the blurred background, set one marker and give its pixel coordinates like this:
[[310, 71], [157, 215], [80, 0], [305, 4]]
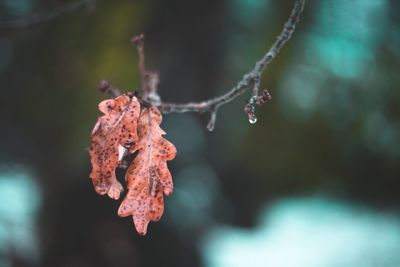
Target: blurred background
[[315, 182]]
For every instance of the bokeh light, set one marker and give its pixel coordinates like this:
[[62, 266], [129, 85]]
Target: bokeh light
[[309, 232]]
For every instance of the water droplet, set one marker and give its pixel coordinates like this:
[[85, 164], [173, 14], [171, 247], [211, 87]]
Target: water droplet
[[253, 120]]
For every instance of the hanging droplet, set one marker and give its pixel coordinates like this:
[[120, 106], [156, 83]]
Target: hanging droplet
[[253, 120]]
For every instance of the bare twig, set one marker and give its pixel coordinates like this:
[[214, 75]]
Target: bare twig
[[138, 40], [37, 19], [249, 80], [149, 79]]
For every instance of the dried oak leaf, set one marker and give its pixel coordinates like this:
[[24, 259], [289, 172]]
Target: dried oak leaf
[[148, 176], [113, 133]]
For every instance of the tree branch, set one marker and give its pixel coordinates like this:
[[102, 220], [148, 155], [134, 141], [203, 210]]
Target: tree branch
[[43, 18], [250, 80]]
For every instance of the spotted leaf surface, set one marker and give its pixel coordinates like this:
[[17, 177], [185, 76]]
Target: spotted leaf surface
[[148, 177], [113, 134]]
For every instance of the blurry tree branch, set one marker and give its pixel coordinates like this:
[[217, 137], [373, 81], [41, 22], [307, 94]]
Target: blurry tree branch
[[38, 19], [250, 81]]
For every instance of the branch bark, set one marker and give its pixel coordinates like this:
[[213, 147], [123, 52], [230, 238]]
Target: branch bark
[[251, 80]]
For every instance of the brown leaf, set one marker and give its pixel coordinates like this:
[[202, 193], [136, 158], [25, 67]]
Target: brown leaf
[[115, 131], [148, 176]]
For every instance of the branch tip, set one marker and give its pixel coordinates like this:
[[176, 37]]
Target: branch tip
[[138, 39], [103, 85]]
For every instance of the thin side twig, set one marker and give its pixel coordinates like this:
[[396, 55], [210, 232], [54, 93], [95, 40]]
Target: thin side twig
[[37, 19], [149, 79], [138, 40]]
